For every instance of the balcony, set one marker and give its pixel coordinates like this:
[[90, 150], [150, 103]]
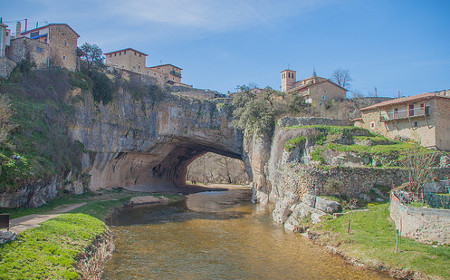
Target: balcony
[[176, 74], [404, 114]]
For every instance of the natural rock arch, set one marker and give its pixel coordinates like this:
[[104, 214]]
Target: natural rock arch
[[139, 142]]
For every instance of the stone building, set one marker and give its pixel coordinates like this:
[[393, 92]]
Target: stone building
[[47, 46], [314, 89], [424, 118], [135, 61], [61, 42]]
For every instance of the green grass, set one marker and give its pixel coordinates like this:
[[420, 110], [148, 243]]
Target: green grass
[[96, 205], [49, 251], [373, 150], [294, 142], [372, 241]]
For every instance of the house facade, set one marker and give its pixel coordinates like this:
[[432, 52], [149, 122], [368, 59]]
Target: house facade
[[132, 60], [424, 118], [47, 46], [314, 89]]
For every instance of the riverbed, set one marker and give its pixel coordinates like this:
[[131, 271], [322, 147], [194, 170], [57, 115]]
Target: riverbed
[[217, 235]]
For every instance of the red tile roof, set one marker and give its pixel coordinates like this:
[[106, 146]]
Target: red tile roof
[[48, 25], [166, 65], [129, 49], [402, 100], [313, 84]]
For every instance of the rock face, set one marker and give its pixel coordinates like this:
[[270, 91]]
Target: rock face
[[289, 177], [136, 142]]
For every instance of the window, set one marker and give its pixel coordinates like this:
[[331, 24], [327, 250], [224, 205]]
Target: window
[[139, 55], [115, 54], [34, 34], [411, 110], [120, 53], [65, 43], [139, 67], [422, 106], [415, 124], [323, 97], [125, 52], [372, 125], [64, 57], [39, 50], [134, 53]]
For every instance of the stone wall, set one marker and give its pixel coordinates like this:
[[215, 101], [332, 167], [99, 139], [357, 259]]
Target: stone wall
[[422, 224], [63, 46], [6, 67], [301, 121], [32, 50]]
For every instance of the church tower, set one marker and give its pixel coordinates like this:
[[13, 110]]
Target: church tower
[[287, 80]]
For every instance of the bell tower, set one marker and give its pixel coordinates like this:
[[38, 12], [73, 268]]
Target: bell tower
[[287, 80]]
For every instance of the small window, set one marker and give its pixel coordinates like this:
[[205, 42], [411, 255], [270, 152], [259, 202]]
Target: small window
[[415, 124], [64, 57], [125, 52], [372, 125], [120, 53], [139, 67], [39, 50], [422, 106], [323, 97], [139, 55], [134, 53], [65, 43], [115, 54], [7, 33]]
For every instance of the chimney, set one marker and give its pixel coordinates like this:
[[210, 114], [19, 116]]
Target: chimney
[[18, 29]]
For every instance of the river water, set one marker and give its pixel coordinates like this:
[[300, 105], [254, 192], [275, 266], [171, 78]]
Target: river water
[[217, 235]]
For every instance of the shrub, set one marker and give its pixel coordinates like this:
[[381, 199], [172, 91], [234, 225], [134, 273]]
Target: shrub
[[102, 89]]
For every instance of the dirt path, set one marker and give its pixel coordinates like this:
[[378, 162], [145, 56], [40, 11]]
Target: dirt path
[[21, 224]]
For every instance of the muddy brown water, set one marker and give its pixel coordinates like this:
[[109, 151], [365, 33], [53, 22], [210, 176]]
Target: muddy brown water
[[217, 235]]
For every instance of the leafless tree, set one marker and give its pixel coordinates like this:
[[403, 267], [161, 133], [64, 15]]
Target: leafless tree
[[342, 77], [419, 164]]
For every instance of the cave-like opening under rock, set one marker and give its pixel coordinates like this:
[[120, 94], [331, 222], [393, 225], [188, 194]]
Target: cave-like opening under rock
[[164, 165]]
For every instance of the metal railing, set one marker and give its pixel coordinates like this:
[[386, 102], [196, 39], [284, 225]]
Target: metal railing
[[407, 113], [176, 74]]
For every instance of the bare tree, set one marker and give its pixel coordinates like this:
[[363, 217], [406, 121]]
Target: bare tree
[[419, 164], [342, 77]]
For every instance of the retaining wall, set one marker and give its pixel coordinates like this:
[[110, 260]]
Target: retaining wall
[[422, 224]]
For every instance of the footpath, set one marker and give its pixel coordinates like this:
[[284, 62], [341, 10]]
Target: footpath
[[21, 224]]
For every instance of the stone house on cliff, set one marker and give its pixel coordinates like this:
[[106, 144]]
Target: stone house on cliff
[[424, 118], [132, 60], [314, 89], [52, 45]]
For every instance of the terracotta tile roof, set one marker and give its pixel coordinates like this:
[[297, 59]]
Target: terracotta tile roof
[[402, 100], [48, 25], [166, 65], [128, 49], [300, 87]]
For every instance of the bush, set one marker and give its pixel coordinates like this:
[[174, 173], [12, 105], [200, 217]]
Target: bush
[[102, 89]]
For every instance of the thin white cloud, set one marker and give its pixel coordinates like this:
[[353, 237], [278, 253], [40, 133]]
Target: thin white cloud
[[210, 15]]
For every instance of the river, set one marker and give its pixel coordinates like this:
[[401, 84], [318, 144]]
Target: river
[[217, 235]]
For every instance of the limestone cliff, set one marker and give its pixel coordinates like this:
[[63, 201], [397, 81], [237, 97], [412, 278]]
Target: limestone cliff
[[135, 142]]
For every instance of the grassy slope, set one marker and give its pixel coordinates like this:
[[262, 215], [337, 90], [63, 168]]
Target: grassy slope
[[372, 241], [50, 251]]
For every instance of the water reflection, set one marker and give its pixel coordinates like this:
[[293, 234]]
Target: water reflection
[[216, 236]]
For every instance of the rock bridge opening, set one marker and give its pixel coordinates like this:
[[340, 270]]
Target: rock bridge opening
[[164, 165]]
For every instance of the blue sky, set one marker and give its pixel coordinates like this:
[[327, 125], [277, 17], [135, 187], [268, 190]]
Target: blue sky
[[392, 45]]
